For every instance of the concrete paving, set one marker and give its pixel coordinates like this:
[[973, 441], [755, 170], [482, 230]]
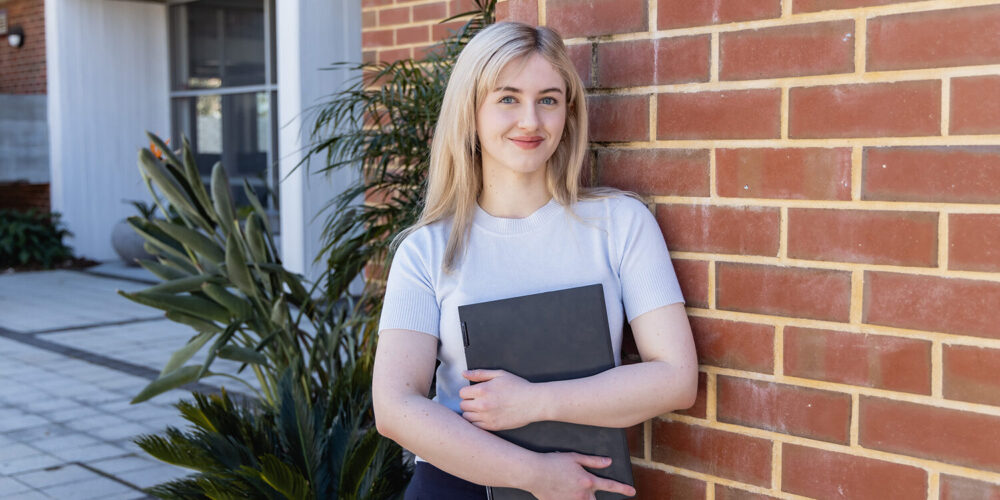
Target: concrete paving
[[73, 354]]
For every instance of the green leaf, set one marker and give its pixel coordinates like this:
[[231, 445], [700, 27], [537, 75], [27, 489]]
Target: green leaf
[[170, 381], [171, 189], [184, 354], [236, 266], [179, 285], [192, 239], [255, 238], [243, 355], [194, 180], [222, 200], [358, 461], [161, 271], [162, 146], [240, 308], [193, 306], [196, 323], [284, 479]]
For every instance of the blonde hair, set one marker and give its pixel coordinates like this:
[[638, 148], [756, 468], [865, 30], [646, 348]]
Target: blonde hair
[[455, 176]]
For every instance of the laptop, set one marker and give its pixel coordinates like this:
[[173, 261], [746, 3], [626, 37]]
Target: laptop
[[544, 337]]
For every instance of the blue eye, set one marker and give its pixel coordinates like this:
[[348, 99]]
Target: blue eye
[[507, 99], [548, 100]]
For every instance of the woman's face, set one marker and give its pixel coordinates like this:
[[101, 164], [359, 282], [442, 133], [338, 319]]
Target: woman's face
[[521, 121]]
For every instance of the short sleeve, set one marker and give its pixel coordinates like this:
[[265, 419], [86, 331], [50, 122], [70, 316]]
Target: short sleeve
[[647, 275], [410, 302]]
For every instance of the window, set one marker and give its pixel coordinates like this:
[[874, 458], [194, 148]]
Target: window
[[223, 91]]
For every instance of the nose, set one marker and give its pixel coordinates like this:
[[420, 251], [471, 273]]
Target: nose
[[529, 118]]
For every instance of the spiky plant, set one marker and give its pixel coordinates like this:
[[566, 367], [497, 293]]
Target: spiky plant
[[300, 450]]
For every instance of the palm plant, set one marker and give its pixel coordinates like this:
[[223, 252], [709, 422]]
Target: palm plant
[[223, 277], [385, 131]]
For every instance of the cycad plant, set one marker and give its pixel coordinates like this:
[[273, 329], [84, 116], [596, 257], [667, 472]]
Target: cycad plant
[[382, 125], [298, 450]]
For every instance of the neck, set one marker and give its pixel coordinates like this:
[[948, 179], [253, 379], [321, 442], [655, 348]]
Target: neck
[[513, 196]]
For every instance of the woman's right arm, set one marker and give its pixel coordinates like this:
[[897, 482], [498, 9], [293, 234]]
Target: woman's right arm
[[404, 368]]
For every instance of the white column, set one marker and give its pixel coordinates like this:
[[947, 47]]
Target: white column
[[107, 70], [312, 34]]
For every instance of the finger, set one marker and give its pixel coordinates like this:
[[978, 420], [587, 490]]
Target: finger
[[592, 461], [469, 405], [481, 375], [472, 416], [469, 392], [603, 484]]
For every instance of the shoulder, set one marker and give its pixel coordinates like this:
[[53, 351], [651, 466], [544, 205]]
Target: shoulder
[[611, 203]]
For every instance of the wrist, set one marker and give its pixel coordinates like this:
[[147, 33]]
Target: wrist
[[545, 402]]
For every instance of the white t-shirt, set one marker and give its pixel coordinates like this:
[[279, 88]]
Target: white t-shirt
[[615, 242]]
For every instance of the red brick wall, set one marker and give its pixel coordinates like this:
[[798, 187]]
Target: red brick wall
[[22, 71], [827, 176]]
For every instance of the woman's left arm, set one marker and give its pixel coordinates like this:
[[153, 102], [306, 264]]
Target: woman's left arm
[[665, 380]]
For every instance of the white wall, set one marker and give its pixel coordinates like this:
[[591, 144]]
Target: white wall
[[312, 34], [107, 84]]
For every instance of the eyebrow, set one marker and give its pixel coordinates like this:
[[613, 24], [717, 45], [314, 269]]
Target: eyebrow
[[518, 91]]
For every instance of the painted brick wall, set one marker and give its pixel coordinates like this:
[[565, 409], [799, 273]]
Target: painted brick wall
[[22, 71], [827, 176]]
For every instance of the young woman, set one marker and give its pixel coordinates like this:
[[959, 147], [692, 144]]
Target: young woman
[[505, 217]]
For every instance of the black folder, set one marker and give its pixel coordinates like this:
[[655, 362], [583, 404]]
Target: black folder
[[544, 337]]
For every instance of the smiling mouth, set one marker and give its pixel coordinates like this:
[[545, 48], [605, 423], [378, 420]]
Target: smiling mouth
[[527, 142]]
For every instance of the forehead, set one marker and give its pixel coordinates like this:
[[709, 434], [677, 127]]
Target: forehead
[[530, 73]]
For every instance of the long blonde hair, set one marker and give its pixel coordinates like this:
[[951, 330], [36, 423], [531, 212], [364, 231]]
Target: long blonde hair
[[455, 176]]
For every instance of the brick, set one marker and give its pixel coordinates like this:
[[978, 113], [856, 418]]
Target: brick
[[934, 39], [944, 435], [962, 488], [974, 106], [731, 114], [949, 305], [899, 109], [879, 361], [797, 50], [375, 3], [525, 11], [634, 435], [693, 278], [815, 473], [700, 407], [430, 12], [711, 451], [396, 15], [369, 19], [730, 493], [674, 60], [970, 374], [576, 18], [783, 291], [952, 174], [677, 172], [799, 411], [393, 55], [784, 173], [685, 13], [734, 344], [581, 56], [456, 7], [653, 484], [818, 5], [720, 229], [974, 242], [616, 118], [444, 30], [416, 34], [377, 38], [863, 236]]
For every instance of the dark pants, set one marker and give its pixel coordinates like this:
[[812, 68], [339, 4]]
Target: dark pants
[[431, 483]]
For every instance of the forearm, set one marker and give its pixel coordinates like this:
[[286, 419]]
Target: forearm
[[445, 439], [620, 397]]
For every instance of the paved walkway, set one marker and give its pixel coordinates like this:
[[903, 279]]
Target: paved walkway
[[73, 354]]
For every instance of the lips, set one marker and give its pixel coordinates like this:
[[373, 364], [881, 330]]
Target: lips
[[527, 142]]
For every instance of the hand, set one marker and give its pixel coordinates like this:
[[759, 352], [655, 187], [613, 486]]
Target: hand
[[562, 477], [501, 400]]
